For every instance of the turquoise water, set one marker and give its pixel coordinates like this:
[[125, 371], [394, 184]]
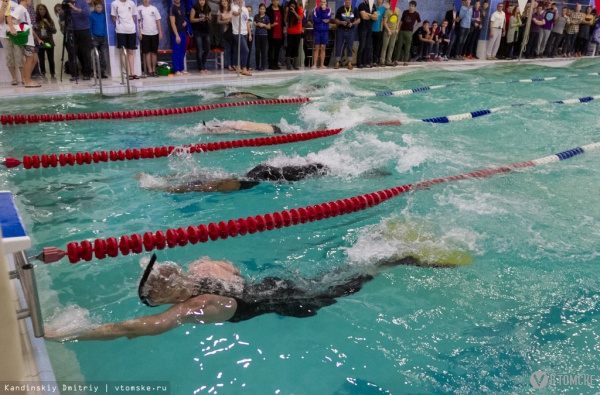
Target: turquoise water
[[529, 301]]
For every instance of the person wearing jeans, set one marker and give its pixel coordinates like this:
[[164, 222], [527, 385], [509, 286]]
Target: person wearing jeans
[[242, 33], [200, 19]]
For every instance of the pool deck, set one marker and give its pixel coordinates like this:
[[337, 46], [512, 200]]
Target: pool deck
[[114, 86]]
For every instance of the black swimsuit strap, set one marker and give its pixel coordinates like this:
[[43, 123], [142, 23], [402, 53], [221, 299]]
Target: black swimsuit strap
[[147, 271]]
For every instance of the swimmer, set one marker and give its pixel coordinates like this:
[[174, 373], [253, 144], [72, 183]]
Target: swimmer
[[244, 95], [262, 172], [216, 292], [227, 127]]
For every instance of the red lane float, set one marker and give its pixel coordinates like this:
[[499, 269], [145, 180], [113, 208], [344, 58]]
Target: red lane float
[[34, 118], [86, 158], [135, 243]]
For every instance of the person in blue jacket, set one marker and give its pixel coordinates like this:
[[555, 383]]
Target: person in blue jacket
[[321, 17]]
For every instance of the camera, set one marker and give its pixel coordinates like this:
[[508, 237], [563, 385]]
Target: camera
[[65, 6]]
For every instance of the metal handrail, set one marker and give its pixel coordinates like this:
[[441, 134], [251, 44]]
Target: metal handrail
[[25, 273], [96, 68], [125, 78]]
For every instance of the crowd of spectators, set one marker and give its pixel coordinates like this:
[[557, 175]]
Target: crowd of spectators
[[387, 35]]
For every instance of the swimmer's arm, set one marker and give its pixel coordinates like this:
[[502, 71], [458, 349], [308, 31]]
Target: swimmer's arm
[[204, 309]]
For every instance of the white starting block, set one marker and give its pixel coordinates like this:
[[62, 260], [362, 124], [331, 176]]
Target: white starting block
[[14, 236]]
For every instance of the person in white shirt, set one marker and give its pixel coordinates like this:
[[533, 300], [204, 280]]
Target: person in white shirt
[[497, 30], [241, 30], [20, 20], [124, 13], [14, 55], [150, 34]]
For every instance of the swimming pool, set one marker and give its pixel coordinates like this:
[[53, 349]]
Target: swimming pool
[[528, 301]]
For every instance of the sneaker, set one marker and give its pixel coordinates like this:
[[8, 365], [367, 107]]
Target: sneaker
[[104, 76], [470, 57], [405, 64], [445, 58], [475, 57], [438, 59], [429, 59], [489, 58], [337, 65], [86, 78], [394, 64], [349, 65]]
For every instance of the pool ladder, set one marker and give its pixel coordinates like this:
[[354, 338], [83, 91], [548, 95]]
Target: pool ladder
[[24, 272], [96, 69], [125, 72]]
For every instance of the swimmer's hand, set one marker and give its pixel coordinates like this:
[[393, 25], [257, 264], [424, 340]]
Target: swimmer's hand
[[138, 176]]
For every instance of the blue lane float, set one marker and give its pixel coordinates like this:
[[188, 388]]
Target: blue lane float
[[481, 113]]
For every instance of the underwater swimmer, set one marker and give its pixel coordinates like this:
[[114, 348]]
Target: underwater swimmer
[[262, 172], [216, 292]]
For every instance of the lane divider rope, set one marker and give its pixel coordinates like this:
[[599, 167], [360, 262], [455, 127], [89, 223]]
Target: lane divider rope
[[86, 158], [136, 243]]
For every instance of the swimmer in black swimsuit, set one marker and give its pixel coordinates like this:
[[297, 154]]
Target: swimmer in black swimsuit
[[215, 291], [262, 172]]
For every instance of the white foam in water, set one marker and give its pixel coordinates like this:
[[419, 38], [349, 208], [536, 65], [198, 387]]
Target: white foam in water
[[207, 95], [348, 113], [70, 320], [416, 153], [347, 157]]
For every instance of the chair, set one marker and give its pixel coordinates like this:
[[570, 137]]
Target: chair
[[218, 58]]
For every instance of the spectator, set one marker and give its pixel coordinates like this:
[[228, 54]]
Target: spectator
[[200, 20], [346, 17], [178, 37], [45, 30], [464, 27], [81, 49], [150, 33], [573, 29], [367, 14], [391, 27], [475, 32], [321, 17], [424, 41], [19, 15], [497, 30], [550, 16], [409, 21], [124, 15], [293, 16], [451, 18], [556, 35], [99, 35], [537, 21], [275, 34], [377, 32], [224, 20], [261, 38], [583, 36], [241, 28], [514, 25], [444, 40]]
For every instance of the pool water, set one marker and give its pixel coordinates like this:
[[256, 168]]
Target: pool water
[[528, 301]]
